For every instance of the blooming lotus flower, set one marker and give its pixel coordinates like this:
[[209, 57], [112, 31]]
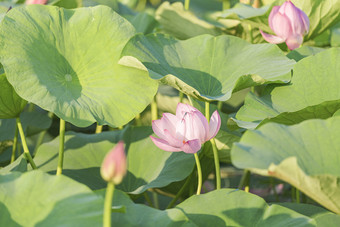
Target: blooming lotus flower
[[289, 23], [28, 2], [186, 131], [114, 167]]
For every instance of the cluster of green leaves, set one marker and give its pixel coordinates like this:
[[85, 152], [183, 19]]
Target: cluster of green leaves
[[103, 63]]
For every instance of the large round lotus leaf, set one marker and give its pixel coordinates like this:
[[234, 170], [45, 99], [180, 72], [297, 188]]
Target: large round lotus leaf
[[39, 199], [148, 166], [304, 155], [11, 105], [312, 93], [207, 67], [225, 207], [66, 61], [229, 207]]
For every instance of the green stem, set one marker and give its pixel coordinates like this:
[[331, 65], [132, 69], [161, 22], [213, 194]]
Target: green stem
[[138, 120], [215, 151], [30, 107], [186, 4], [61, 146], [179, 193], [245, 181], [155, 199], [199, 174], [297, 194], [181, 96], [219, 105], [226, 4], [24, 144], [108, 204], [99, 129], [217, 164], [147, 198], [15, 142], [250, 28], [207, 111], [154, 111]]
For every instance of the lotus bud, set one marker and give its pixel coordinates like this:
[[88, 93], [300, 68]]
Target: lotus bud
[[29, 2], [289, 23], [113, 168]]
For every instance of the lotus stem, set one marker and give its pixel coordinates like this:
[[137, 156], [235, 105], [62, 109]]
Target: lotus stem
[[147, 198], [99, 129], [154, 111], [245, 181], [61, 146], [138, 120], [181, 96], [199, 174], [186, 4], [108, 204], [15, 142], [215, 150], [24, 144]]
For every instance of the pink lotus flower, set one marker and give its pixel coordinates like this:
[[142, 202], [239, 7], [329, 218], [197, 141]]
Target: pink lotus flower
[[114, 165], [186, 131], [28, 2], [289, 23]]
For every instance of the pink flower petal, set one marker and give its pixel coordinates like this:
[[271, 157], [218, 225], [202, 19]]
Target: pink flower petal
[[281, 26], [28, 2], [164, 145], [172, 141], [191, 146], [183, 108], [201, 126], [294, 16], [294, 42], [114, 166], [305, 21], [274, 11], [196, 126], [214, 124], [272, 38], [168, 121]]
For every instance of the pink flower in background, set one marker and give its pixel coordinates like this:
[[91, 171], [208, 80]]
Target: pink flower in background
[[186, 131], [289, 23], [113, 168], [28, 2]]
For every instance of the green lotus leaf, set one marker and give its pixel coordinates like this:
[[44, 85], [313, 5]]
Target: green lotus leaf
[[303, 52], [11, 104], [66, 61], [148, 166], [312, 93], [183, 24], [322, 15], [39, 199], [19, 165], [225, 207], [322, 217], [303, 155], [213, 71]]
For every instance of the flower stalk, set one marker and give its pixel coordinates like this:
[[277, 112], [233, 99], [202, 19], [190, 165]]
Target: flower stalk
[[61, 147], [24, 144]]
